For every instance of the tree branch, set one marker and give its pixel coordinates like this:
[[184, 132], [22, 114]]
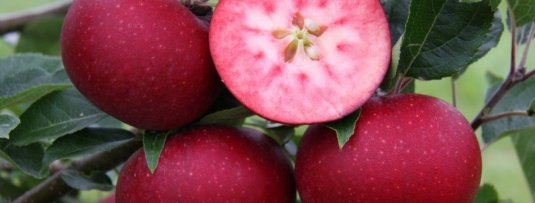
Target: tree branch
[[528, 75], [524, 60], [503, 115], [512, 71], [15, 21], [478, 120], [515, 76], [54, 187]]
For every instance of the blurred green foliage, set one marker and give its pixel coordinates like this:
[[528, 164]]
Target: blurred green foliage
[[14, 5]]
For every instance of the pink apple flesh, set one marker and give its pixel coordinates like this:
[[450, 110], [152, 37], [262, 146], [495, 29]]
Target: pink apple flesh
[[407, 148], [301, 62], [146, 63], [211, 164]]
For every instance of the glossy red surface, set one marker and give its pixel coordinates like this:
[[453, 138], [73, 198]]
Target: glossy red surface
[[146, 63], [406, 148], [211, 164]]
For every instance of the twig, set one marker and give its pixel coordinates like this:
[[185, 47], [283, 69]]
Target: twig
[[524, 60], [54, 187], [15, 21], [503, 115], [528, 75], [506, 85], [454, 90], [513, 45]]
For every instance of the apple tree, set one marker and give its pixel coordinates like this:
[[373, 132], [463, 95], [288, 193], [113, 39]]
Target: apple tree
[[259, 101]]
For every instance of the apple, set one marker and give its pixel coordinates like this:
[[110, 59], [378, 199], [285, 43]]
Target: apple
[[146, 63], [405, 148], [211, 164], [301, 62], [109, 199]]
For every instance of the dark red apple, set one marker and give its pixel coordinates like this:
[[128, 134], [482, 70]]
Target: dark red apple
[[301, 61], [211, 164], [146, 63], [406, 148]]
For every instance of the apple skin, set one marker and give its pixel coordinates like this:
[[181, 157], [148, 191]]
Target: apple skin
[[146, 63], [211, 164], [109, 199], [406, 148]]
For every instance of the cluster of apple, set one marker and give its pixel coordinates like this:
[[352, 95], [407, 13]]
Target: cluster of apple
[[156, 66]]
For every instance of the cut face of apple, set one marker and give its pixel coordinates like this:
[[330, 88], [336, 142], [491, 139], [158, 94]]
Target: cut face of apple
[[301, 61]]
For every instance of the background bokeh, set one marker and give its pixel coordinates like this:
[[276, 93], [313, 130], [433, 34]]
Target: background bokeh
[[500, 163]]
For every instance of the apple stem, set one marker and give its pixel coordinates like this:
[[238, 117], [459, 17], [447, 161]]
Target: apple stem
[[454, 91], [401, 84]]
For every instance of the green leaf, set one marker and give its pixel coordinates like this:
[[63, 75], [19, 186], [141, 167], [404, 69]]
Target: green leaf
[[6, 49], [27, 77], [7, 124], [8, 189], [522, 32], [55, 115], [442, 37], [279, 132], [41, 35], [495, 3], [345, 127], [28, 158], [109, 122], [524, 142], [153, 144], [234, 116], [518, 98], [531, 109], [410, 88], [470, 1], [397, 12], [492, 37], [493, 79], [392, 76], [96, 180], [86, 142], [523, 11], [225, 101], [487, 194]]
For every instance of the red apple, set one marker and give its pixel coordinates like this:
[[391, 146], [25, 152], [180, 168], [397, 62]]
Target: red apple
[[301, 61], [109, 199], [211, 164], [405, 148], [146, 63]]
